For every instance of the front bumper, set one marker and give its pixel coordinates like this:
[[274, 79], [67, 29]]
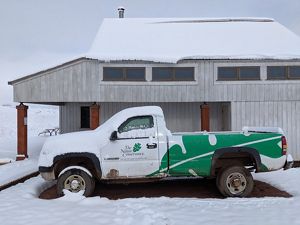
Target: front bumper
[[47, 173], [289, 162]]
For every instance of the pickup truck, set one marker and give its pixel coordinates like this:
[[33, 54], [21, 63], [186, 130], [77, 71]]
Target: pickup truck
[[135, 145]]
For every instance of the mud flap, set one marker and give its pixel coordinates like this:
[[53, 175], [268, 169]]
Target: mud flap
[[289, 162]]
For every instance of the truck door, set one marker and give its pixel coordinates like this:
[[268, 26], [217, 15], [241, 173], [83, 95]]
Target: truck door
[[134, 153]]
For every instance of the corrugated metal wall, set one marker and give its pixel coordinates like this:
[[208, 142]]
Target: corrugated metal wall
[[284, 114]]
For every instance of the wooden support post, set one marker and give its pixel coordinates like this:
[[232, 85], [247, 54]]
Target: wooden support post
[[94, 116], [21, 131], [204, 117]]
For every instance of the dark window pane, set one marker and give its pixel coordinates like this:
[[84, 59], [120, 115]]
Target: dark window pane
[[183, 74], [135, 74], [85, 117], [162, 74], [276, 72], [110, 73], [136, 123], [250, 73], [294, 72], [227, 73]]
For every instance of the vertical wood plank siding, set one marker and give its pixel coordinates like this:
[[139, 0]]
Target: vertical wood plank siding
[[78, 81], [81, 82]]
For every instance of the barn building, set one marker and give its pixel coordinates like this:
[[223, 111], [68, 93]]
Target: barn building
[[212, 74]]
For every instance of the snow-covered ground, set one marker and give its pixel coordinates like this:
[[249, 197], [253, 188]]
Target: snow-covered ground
[[20, 204], [39, 118]]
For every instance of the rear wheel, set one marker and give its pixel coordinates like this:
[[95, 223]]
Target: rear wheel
[[235, 181], [75, 180]]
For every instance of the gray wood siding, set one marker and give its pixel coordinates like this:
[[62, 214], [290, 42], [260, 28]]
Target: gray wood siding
[[82, 82], [205, 88], [285, 114], [69, 117], [78, 81], [180, 117]]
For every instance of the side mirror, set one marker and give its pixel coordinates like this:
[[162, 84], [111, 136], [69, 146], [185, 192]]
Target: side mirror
[[114, 136]]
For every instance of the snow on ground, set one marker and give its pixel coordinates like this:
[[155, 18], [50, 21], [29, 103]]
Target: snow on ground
[[39, 118], [18, 169], [20, 205]]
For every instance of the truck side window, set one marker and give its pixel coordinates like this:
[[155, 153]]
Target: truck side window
[[136, 123]]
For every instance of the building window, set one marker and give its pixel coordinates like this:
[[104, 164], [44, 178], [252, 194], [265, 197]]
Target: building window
[[136, 123], [283, 72], [239, 73], [124, 74], [85, 117], [173, 74]]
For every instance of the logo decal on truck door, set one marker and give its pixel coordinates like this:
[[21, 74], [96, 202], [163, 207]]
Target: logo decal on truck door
[[137, 147], [129, 152]]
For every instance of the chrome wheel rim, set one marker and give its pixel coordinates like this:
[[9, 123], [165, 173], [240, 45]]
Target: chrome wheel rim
[[236, 183], [74, 183]]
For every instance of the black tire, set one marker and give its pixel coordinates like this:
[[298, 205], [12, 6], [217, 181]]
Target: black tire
[[235, 181], [84, 180]]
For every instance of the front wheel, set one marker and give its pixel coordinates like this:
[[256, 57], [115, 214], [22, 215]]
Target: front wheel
[[235, 181], [75, 180]]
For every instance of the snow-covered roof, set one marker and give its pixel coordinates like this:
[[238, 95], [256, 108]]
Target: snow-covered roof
[[174, 39], [169, 40]]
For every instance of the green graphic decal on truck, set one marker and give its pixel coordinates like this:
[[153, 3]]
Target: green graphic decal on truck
[[196, 157]]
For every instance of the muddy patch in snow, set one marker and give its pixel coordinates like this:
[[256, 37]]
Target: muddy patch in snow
[[194, 188]]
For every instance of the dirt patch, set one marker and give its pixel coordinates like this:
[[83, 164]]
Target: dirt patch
[[296, 164], [195, 188]]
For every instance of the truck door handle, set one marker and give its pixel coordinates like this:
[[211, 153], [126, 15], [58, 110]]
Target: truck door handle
[[151, 146]]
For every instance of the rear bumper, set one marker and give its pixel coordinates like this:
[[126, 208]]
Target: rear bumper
[[289, 162]]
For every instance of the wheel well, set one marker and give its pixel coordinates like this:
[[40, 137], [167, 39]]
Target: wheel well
[[82, 161], [240, 157]]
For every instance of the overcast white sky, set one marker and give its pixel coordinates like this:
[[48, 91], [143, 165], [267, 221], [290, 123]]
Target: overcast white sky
[[37, 33]]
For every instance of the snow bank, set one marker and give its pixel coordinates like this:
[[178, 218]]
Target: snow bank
[[39, 118], [18, 169], [288, 180]]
